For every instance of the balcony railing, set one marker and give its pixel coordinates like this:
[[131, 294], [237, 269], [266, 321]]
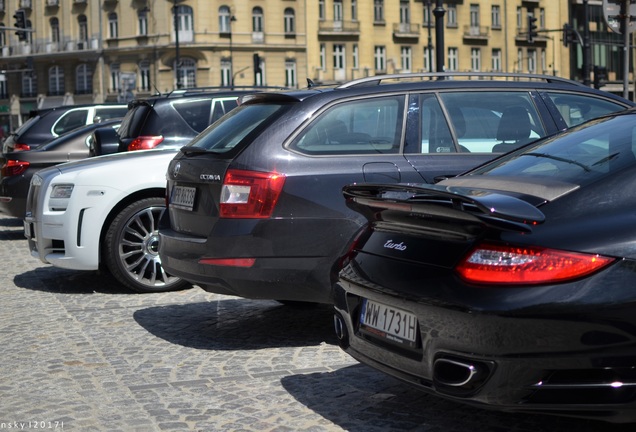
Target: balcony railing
[[476, 32], [338, 27], [409, 30]]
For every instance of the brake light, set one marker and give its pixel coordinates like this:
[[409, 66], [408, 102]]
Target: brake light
[[250, 194], [501, 264], [21, 147], [145, 142], [14, 168]]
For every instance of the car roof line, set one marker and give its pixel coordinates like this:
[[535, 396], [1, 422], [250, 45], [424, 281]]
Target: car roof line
[[378, 79]]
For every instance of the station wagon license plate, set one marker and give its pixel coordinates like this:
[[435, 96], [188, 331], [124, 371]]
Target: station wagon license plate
[[389, 323], [183, 197]]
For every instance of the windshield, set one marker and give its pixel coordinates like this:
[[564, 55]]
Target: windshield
[[223, 135], [594, 150]]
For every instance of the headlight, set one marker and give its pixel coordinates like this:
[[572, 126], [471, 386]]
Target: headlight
[[62, 191]]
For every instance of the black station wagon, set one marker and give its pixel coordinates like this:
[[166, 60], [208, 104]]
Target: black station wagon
[[255, 206]]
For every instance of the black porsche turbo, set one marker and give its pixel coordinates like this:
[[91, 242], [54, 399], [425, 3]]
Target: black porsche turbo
[[512, 286]]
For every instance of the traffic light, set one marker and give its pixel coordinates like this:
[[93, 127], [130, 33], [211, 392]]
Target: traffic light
[[600, 77], [257, 63], [532, 28], [568, 35], [20, 22]]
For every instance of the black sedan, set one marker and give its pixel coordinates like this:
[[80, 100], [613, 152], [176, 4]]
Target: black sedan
[[17, 168], [512, 286]]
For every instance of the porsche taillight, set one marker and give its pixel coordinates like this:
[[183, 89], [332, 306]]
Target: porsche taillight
[[505, 264], [145, 142], [21, 147], [250, 194], [14, 168]]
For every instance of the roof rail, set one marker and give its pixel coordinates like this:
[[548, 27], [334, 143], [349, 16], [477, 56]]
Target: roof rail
[[378, 79], [194, 90]]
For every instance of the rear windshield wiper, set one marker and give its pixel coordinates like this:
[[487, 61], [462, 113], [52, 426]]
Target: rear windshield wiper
[[560, 159]]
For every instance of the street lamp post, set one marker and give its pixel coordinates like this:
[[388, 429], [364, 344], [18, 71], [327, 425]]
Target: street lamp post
[[232, 19], [176, 43]]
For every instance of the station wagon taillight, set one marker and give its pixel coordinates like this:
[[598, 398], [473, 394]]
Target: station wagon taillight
[[145, 142], [250, 194], [14, 168], [519, 265]]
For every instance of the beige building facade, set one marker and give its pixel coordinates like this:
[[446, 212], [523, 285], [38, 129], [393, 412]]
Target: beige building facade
[[93, 51]]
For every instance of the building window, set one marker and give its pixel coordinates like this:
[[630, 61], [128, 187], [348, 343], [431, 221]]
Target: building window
[[4, 91], [405, 59], [257, 20], [453, 59], [82, 23], [428, 16], [356, 56], [354, 10], [429, 61], [3, 36], [338, 57], [405, 12], [55, 30], [144, 75], [474, 15], [289, 21], [29, 85], [56, 81], [496, 60], [226, 73], [532, 61], [496, 17], [142, 19], [451, 14], [321, 10], [290, 74], [323, 57], [380, 58], [114, 77], [475, 59], [541, 18], [83, 79], [337, 10], [378, 11], [185, 23], [518, 17], [187, 73], [224, 19], [113, 25]]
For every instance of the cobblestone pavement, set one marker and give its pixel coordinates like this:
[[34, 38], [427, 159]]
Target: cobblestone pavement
[[79, 353]]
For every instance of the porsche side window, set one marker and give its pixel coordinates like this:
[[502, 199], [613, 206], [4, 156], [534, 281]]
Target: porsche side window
[[366, 126], [577, 109]]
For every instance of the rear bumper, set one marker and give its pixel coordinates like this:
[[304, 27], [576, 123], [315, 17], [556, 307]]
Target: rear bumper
[[578, 364], [292, 259]]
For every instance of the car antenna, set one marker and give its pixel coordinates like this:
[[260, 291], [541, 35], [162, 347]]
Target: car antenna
[[310, 83]]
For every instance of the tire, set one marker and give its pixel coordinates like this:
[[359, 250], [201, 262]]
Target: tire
[[131, 249]]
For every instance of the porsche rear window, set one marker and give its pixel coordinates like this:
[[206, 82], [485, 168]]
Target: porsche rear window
[[580, 156]]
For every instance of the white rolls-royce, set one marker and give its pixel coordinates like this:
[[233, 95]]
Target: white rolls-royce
[[103, 213]]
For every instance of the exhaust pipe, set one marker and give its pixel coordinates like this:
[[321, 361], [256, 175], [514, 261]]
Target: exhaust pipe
[[453, 373], [341, 330], [459, 377]]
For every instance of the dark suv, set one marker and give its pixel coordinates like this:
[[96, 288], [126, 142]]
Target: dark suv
[[255, 207], [46, 125], [170, 120]]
